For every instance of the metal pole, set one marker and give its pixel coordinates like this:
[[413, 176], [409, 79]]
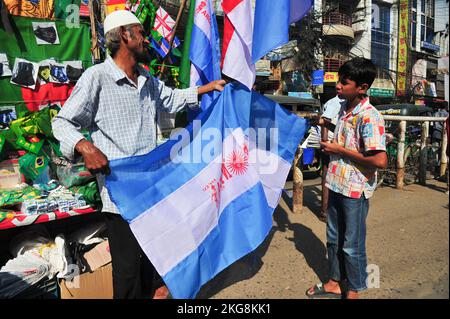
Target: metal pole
[[401, 156], [423, 154], [298, 183], [444, 159], [413, 118]]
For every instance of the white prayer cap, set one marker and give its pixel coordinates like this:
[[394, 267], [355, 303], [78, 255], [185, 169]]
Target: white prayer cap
[[119, 18]]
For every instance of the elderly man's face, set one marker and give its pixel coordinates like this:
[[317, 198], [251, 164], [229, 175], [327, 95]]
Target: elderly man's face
[[139, 44]]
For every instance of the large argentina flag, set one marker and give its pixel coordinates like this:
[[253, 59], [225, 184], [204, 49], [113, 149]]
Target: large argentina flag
[[198, 203]]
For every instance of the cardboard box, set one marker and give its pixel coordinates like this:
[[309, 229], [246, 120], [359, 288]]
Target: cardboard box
[[95, 285], [10, 175], [98, 256]]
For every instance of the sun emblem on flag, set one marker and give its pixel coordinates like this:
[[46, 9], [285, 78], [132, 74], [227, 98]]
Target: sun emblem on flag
[[237, 163]]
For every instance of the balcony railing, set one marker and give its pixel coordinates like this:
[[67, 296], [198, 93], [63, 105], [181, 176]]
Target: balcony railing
[[337, 18], [333, 64]]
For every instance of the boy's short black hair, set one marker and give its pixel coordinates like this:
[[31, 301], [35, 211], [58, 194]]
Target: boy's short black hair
[[360, 70]]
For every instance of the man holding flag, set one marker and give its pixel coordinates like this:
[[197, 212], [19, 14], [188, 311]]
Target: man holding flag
[[117, 101], [197, 205]]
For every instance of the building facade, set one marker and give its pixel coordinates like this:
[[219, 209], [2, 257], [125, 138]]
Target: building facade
[[406, 39]]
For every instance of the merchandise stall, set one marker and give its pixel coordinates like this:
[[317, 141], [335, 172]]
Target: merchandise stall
[[49, 207], [53, 241]]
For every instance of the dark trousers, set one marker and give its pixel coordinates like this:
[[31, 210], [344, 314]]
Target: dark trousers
[[133, 273]]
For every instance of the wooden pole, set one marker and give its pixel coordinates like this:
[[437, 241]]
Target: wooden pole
[[423, 154], [172, 37], [298, 183], [94, 43], [444, 142], [401, 156]]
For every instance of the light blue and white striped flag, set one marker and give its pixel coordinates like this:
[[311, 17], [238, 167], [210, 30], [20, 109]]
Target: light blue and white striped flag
[[205, 198]]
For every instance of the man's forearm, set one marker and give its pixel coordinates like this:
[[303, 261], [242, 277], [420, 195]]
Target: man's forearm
[[211, 86]]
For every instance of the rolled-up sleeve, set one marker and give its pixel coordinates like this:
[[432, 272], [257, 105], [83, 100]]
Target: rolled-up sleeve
[[373, 132], [76, 114], [173, 100]]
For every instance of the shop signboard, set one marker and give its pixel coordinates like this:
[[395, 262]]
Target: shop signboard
[[330, 77], [379, 92], [430, 46], [402, 48], [318, 77]]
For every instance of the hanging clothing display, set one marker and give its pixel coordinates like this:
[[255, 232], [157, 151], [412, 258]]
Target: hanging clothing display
[[58, 73], [74, 69], [45, 33], [25, 73]]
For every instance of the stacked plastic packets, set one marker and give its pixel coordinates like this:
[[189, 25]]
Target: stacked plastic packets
[[59, 198], [314, 137]]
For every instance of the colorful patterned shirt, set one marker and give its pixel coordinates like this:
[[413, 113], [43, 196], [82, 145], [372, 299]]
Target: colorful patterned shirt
[[361, 130]]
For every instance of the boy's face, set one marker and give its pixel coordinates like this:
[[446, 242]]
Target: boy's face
[[348, 89]]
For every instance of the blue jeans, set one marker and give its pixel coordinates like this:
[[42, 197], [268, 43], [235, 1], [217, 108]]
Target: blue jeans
[[346, 239]]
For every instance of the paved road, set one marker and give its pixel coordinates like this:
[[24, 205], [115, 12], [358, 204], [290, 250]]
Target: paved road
[[407, 241]]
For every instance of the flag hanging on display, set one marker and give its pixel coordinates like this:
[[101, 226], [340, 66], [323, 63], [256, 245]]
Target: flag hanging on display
[[163, 23], [205, 49], [204, 199], [271, 25], [237, 41], [161, 45]]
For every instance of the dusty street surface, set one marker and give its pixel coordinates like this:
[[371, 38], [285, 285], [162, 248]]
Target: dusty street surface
[[407, 239]]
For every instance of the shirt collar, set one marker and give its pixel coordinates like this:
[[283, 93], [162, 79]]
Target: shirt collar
[[115, 71], [361, 106], [118, 74]]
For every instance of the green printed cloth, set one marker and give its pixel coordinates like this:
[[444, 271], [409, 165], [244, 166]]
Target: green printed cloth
[[17, 196]]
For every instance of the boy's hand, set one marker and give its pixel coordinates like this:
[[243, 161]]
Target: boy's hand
[[331, 147]]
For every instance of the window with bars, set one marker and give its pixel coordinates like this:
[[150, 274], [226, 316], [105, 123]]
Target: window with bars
[[381, 38], [414, 27], [427, 20]]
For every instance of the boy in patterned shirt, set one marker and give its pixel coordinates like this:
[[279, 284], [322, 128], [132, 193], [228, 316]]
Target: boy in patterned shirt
[[357, 151]]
